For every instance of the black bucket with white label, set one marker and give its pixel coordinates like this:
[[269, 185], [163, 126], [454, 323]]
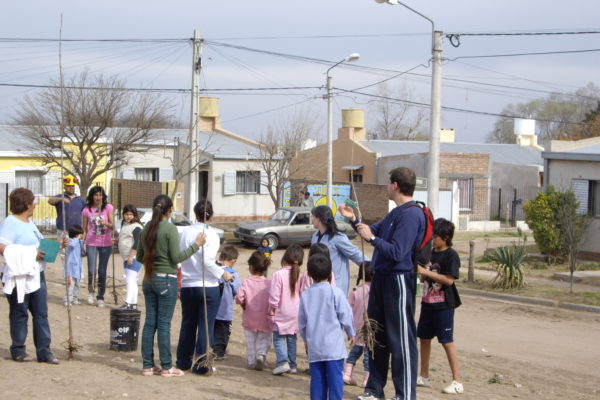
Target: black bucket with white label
[[124, 328]]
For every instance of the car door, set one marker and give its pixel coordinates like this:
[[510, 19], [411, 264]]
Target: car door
[[300, 228]]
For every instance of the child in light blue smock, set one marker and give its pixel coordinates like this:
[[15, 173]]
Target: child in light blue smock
[[74, 264]]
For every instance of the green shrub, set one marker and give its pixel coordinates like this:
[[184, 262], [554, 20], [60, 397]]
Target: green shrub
[[541, 214], [509, 261]]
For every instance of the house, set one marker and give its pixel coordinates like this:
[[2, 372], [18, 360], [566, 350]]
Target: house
[[575, 165], [490, 177], [230, 173]]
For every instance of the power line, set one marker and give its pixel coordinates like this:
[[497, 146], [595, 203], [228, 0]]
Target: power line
[[526, 54], [587, 32]]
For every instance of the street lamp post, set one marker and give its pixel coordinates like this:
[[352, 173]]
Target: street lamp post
[[351, 58], [433, 161]]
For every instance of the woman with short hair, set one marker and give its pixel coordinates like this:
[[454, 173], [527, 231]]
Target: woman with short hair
[[19, 242]]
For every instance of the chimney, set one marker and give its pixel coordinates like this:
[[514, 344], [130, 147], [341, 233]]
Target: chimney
[[447, 136], [209, 113], [353, 125]]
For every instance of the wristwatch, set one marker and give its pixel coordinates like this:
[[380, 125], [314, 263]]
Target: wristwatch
[[371, 238]]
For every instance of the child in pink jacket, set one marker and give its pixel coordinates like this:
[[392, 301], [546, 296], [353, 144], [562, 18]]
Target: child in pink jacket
[[284, 303], [359, 299], [253, 296]]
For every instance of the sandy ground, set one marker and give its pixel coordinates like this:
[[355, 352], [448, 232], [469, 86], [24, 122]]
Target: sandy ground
[[537, 352]]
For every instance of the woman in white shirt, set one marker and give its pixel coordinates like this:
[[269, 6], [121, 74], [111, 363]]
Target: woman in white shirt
[[199, 276]]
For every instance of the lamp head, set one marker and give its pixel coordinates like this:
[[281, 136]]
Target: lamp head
[[352, 57], [392, 2]]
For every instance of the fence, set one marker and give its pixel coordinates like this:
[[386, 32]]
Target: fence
[[506, 203]]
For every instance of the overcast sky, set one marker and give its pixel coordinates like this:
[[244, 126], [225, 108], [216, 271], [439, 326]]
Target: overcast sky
[[390, 40]]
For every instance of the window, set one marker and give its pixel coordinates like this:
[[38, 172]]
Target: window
[[32, 180], [356, 178], [301, 219], [587, 194], [146, 174], [465, 188], [247, 182]]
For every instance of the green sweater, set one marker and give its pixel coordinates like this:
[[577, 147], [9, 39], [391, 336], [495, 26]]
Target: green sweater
[[167, 254]]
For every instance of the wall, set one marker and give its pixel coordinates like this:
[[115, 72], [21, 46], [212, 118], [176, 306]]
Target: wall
[[239, 206], [514, 176], [560, 173]]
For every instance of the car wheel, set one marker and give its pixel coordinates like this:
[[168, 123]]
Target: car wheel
[[273, 240]]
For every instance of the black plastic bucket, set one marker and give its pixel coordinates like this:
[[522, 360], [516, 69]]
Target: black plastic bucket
[[124, 327]]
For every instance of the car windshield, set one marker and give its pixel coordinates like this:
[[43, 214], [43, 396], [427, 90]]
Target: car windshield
[[281, 216]]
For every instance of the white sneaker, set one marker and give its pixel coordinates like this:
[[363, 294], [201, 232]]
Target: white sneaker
[[100, 303], [422, 381], [90, 299], [454, 388], [281, 369], [75, 301], [293, 370], [260, 362], [369, 396]]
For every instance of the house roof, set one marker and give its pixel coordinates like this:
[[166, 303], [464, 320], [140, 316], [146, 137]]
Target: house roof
[[215, 144], [501, 153], [586, 153]]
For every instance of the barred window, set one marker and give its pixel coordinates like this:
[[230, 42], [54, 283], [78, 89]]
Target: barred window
[[146, 174], [32, 180], [465, 187]]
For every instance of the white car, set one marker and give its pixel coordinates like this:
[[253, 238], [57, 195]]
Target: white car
[[177, 219]]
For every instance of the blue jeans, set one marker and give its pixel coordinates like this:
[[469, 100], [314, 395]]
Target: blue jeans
[[103, 256], [355, 354], [285, 349], [327, 378], [160, 296], [192, 335], [37, 304]]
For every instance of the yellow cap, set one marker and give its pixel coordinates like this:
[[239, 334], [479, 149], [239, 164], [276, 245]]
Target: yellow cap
[[70, 180]]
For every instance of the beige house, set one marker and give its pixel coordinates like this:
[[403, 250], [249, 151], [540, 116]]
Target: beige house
[[487, 174], [575, 165], [229, 172]]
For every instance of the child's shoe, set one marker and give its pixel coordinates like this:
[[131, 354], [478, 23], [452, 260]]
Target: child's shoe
[[75, 301], [454, 388], [260, 362], [422, 381], [348, 375], [365, 379], [282, 369]]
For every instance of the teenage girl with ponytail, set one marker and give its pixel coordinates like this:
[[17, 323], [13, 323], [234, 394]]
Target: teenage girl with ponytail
[[159, 252], [340, 248], [284, 302]]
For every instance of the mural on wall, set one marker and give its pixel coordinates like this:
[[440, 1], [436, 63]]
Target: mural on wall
[[315, 195]]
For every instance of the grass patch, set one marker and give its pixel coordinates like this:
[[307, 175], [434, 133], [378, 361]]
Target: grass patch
[[536, 290]]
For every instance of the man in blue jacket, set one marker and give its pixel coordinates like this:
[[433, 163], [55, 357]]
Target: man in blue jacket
[[393, 289]]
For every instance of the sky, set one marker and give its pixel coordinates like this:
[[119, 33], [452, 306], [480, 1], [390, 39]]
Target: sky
[[393, 42]]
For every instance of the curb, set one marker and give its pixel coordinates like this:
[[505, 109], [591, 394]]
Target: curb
[[531, 300]]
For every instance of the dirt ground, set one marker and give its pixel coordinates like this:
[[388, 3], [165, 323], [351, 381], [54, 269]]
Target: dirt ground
[[534, 352]]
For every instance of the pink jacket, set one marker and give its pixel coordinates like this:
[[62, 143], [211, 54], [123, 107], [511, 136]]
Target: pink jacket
[[286, 307], [253, 296], [358, 302]]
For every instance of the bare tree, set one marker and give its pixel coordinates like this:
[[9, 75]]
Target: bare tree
[[394, 119], [102, 122], [572, 226], [278, 147]]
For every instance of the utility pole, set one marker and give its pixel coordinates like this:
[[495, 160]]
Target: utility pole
[[192, 186], [433, 161]]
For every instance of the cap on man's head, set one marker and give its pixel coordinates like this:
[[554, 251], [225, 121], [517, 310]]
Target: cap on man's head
[[70, 180]]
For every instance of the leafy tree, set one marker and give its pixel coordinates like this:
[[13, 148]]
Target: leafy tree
[[557, 116], [397, 120], [541, 216], [97, 120], [573, 227]]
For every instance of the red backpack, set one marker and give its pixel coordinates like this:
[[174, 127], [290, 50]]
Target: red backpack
[[422, 252]]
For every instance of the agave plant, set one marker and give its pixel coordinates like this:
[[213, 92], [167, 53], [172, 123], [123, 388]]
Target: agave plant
[[508, 260]]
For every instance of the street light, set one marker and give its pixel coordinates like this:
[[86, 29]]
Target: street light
[[351, 58], [433, 161]]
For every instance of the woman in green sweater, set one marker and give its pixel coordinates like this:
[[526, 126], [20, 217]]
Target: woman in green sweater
[[160, 254]]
